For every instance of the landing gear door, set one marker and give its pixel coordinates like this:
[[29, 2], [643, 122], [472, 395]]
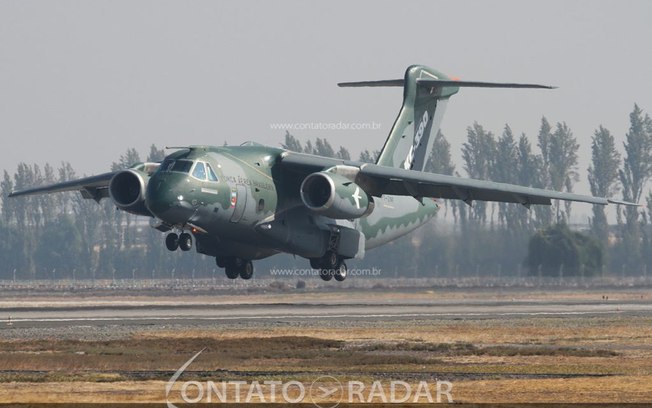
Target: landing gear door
[[351, 243], [239, 195]]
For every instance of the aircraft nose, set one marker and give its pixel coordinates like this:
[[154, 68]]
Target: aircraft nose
[[166, 201]]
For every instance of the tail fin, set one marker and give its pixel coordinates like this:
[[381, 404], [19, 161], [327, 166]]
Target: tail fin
[[425, 95]]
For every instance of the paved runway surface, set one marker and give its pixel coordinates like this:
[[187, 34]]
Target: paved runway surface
[[128, 313]]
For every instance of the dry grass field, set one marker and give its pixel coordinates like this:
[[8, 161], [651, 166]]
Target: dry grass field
[[599, 358]]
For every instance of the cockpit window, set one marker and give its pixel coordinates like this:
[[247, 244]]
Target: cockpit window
[[210, 173], [166, 165], [200, 171], [181, 166]]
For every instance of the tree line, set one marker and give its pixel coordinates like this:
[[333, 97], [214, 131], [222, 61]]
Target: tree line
[[63, 235]]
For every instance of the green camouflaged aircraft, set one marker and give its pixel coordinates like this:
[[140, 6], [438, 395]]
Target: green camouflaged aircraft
[[250, 202]]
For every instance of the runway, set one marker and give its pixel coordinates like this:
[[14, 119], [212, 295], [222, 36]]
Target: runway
[[170, 312], [490, 343]]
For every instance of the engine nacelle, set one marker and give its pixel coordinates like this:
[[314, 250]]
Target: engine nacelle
[[127, 190], [335, 196]]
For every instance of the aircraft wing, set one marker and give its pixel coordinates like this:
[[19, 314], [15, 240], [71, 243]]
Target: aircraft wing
[[379, 180], [95, 187]]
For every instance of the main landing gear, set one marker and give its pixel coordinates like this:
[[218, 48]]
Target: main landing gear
[[233, 266], [182, 241], [236, 267], [330, 266]]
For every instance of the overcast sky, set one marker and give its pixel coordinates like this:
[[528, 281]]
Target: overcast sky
[[81, 81]]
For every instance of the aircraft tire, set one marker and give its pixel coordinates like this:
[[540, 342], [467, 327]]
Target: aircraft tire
[[185, 241], [330, 260], [326, 274], [220, 262], [232, 271], [172, 242], [315, 263], [246, 270], [341, 272]]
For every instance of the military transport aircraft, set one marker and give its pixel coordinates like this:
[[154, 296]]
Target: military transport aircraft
[[249, 202]]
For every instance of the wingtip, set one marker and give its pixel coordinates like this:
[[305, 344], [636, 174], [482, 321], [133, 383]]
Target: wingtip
[[620, 202]]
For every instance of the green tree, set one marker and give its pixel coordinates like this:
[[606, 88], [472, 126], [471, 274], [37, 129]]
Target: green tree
[[636, 171], [505, 170], [6, 187], [155, 154], [309, 149], [479, 152], [544, 213], [528, 166], [324, 148], [368, 157], [563, 165], [603, 177], [292, 143], [59, 247], [343, 154], [558, 250], [439, 160], [128, 159]]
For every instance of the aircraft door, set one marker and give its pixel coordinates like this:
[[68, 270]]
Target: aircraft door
[[240, 202]]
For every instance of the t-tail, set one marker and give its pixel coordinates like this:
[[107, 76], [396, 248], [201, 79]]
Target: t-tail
[[425, 94]]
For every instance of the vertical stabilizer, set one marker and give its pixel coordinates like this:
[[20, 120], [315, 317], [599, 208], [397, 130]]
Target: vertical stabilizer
[[409, 141]]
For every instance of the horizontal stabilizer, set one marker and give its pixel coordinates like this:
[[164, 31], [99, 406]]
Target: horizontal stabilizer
[[385, 82], [474, 84], [435, 83]]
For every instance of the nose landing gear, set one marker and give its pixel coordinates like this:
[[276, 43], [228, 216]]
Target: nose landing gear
[[174, 241]]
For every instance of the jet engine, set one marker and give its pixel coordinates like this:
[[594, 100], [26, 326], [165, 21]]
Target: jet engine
[[127, 190], [335, 196]]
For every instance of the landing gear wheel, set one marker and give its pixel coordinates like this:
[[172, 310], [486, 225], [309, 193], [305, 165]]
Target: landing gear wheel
[[246, 270], [232, 268], [172, 241], [326, 274], [238, 267], [231, 272], [330, 260], [220, 261], [328, 265], [341, 272], [185, 241]]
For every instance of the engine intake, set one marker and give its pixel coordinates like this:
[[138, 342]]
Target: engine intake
[[127, 190], [335, 196]]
